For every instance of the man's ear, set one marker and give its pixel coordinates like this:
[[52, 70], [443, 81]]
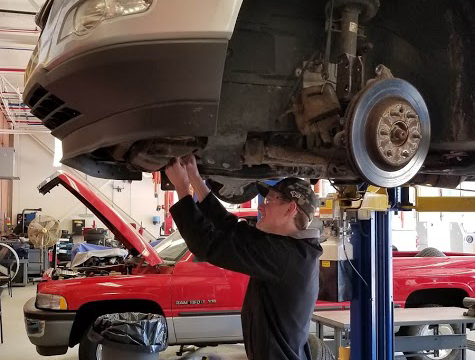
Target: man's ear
[[292, 210]]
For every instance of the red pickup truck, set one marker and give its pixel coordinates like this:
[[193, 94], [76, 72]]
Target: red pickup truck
[[201, 302]]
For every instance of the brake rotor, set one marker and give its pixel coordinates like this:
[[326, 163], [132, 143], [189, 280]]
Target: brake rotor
[[387, 132]]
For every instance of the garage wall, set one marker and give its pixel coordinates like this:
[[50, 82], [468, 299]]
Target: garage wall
[[5, 185], [35, 163]]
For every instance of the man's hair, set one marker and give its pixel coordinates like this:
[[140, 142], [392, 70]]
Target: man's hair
[[301, 220]]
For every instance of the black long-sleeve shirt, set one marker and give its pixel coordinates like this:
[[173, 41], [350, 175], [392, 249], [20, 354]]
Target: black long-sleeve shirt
[[283, 287]]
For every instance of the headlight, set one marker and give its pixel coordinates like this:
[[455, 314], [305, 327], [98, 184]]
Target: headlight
[[50, 302], [88, 15], [67, 28], [91, 12]]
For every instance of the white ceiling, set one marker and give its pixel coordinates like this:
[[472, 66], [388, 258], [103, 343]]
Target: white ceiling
[[21, 5], [18, 36], [17, 30]]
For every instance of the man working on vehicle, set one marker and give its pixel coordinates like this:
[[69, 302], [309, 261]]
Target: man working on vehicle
[[280, 259]]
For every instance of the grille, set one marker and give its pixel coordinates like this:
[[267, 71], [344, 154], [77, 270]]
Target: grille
[[50, 109]]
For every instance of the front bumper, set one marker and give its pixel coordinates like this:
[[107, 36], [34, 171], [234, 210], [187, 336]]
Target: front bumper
[[128, 92], [48, 330]]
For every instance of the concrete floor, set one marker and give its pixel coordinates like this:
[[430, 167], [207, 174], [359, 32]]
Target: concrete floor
[[17, 346]]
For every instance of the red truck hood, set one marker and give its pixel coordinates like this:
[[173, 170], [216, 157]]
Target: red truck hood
[[122, 230]]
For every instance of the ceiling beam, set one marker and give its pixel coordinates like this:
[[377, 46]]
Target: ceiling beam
[[34, 4], [23, 132], [18, 12]]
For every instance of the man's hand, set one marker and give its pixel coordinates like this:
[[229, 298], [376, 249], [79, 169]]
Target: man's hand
[[178, 176], [191, 168], [201, 190]]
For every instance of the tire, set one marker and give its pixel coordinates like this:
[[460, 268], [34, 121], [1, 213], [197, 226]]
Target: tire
[[430, 252], [422, 330], [249, 192], [318, 349], [88, 350]]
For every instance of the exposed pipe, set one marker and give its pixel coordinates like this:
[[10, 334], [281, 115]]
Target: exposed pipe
[[10, 84], [26, 118], [318, 188], [19, 49], [12, 70], [5, 108], [16, 112], [14, 30], [18, 12], [17, 106], [26, 122], [23, 132], [24, 115]]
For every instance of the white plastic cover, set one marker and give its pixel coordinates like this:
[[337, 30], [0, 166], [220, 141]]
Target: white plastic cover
[[80, 258]]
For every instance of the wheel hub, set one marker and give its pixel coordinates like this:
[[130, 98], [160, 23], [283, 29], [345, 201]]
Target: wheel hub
[[387, 132], [396, 136]]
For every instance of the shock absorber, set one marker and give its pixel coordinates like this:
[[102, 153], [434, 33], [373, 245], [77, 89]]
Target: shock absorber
[[350, 75], [349, 28], [345, 17]]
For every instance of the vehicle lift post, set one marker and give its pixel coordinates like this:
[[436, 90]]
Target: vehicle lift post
[[371, 311]]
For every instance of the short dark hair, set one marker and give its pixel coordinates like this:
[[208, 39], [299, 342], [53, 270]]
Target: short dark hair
[[301, 220]]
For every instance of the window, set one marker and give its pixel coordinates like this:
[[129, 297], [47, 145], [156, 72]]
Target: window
[[172, 248]]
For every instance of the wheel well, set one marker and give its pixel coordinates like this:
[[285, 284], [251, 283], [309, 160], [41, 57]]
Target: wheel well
[[89, 312], [444, 297]]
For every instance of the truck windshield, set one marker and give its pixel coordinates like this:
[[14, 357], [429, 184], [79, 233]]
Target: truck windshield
[[172, 248]]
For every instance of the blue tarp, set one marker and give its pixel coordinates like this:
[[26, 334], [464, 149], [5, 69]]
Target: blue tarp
[[85, 247]]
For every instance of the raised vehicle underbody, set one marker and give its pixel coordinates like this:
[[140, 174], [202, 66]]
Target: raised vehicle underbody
[[386, 97]]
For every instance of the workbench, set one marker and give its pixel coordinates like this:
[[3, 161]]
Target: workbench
[[339, 321]]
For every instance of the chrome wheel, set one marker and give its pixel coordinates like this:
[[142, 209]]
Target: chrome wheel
[[444, 329]]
